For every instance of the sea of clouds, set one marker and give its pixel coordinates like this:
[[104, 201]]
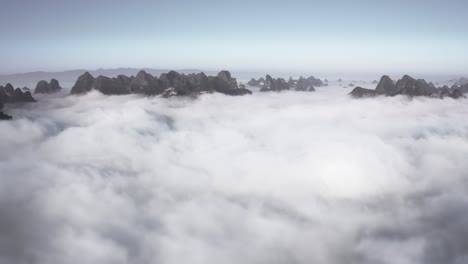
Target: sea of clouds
[[290, 177]]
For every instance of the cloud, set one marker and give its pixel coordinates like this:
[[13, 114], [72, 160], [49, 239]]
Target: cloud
[[285, 177]]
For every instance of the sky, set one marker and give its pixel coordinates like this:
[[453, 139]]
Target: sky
[[318, 36]]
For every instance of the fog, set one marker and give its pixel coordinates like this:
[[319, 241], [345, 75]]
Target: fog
[[290, 177]]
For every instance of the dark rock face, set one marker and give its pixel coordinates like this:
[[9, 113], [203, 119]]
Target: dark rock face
[[3, 96], [143, 83], [21, 97], [444, 92], [9, 89], [306, 84], [360, 92], [200, 83], [179, 82], [280, 84], [272, 84], [256, 83], [45, 87], [454, 87], [168, 84], [54, 85], [221, 86], [386, 86], [405, 86], [226, 76], [42, 87], [84, 84], [9, 95], [5, 116], [315, 82], [409, 86], [456, 94], [109, 86]]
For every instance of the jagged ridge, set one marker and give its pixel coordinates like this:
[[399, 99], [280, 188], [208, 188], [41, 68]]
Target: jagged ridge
[[168, 84]]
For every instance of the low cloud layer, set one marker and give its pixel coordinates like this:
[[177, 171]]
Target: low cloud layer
[[287, 177]]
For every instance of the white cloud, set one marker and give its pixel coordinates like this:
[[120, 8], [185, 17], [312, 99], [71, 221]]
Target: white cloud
[[269, 178]]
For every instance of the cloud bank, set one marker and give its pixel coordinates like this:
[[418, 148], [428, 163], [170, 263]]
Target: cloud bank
[[291, 177]]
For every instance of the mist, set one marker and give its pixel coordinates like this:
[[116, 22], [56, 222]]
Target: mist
[[290, 177]]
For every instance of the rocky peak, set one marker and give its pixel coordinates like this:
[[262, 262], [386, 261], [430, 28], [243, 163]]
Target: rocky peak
[[360, 92], [45, 87], [9, 89], [224, 75], [409, 86], [386, 86], [84, 84]]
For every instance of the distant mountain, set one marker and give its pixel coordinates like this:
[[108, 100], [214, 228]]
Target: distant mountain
[[68, 78]]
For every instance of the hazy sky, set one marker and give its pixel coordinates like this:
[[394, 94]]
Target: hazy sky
[[427, 36]]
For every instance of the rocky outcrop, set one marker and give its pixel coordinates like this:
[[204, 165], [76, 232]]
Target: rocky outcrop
[[226, 76], [168, 84], [315, 82], [276, 85], [84, 84], [42, 87], [219, 85], [412, 87], [200, 83], [9, 95], [45, 87], [455, 93], [308, 84], [445, 91], [55, 85], [360, 92], [303, 84], [256, 83], [143, 83], [407, 86], [386, 86], [270, 84], [179, 82], [110, 86], [4, 116]]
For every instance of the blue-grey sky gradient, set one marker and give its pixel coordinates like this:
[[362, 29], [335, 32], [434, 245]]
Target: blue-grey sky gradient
[[325, 35]]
